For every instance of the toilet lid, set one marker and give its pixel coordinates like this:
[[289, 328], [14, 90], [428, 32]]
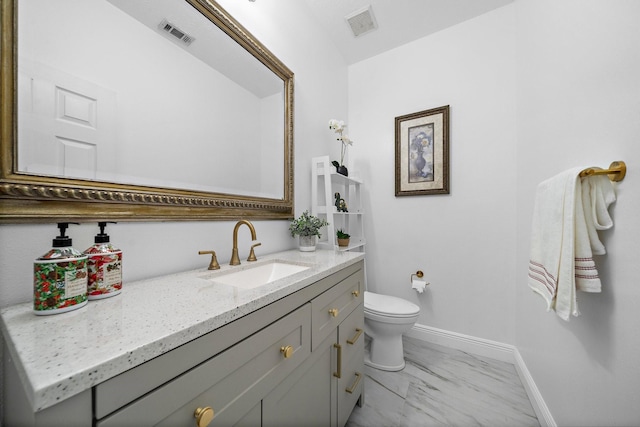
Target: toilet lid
[[388, 305]]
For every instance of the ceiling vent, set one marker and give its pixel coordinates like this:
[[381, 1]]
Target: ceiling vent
[[176, 32], [362, 21]]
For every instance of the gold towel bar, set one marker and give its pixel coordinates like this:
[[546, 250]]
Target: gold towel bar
[[616, 171]]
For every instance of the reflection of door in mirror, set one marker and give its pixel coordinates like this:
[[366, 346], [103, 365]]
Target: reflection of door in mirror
[[178, 122], [58, 124]]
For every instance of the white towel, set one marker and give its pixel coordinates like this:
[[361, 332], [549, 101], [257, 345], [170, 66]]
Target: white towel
[[597, 196], [563, 232]]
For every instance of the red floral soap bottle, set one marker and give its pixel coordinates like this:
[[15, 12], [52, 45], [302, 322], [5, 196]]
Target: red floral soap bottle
[[60, 277], [105, 267]]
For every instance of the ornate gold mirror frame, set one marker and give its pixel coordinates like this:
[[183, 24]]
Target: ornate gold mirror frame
[[26, 198]]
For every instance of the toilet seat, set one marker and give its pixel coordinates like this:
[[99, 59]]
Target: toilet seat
[[389, 306]]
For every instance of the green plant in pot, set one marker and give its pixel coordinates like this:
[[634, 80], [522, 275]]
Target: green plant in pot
[[307, 227], [343, 238]]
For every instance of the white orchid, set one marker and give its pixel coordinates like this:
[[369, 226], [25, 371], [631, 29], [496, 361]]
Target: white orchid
[[338, 127], [345, 140]]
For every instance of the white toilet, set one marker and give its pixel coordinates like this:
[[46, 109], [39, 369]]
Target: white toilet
[[386, 318]]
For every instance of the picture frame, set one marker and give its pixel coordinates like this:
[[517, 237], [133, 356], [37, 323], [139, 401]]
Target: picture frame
[[422, 152]]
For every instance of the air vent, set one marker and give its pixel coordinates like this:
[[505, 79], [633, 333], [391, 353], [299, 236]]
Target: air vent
[[362, 21], [176, 32]]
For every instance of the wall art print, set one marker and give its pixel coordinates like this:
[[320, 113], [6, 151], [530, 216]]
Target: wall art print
[[422, 152]]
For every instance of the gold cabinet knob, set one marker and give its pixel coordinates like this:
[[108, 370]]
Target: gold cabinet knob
[[355, 293], [334, 312], [203, 416], [287, 351]]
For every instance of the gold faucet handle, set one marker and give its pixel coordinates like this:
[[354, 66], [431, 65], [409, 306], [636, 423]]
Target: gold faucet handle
[[252, 254], [213, 265]]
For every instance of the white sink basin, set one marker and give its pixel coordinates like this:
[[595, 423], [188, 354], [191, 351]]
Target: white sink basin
[[258, 275]]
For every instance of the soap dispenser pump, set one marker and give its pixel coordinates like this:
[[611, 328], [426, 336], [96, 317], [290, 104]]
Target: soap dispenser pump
[[60, 277], [104, 266]]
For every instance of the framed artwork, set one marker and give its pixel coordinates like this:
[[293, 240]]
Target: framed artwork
[[422, 153]]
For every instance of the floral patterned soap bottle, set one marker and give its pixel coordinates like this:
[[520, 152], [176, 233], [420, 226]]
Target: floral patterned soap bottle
[[60, 277], [105, 267]]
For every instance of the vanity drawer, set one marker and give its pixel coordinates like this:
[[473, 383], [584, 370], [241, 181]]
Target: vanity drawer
[[330, 308], [248, 370]]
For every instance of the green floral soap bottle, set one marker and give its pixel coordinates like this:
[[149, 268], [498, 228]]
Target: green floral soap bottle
[[104, 267], [60, 277]]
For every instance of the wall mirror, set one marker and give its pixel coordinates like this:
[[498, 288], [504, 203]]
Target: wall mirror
[[140, 110]]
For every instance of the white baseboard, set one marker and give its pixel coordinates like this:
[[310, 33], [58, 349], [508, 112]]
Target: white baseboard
[[495, 350]]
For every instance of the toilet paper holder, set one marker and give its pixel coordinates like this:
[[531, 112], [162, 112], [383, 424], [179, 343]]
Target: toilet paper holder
[[418, 285]]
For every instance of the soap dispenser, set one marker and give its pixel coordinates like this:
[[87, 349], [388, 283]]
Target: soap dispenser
[[60, 277], [105, 267]]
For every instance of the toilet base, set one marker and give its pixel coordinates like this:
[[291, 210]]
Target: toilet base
[[368, 362], [385, 352]]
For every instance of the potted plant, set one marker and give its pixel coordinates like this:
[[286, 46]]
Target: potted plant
[[343, 238], [338, 127], [307, 227]]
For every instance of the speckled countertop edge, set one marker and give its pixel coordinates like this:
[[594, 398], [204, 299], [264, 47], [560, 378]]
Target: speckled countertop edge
[[61, 355]]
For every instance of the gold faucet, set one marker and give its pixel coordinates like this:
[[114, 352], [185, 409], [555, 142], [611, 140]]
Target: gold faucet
[[235, 260]]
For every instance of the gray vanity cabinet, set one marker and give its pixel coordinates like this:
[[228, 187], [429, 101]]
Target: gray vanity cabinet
[[275, 366], [340, 311], [325, 388]]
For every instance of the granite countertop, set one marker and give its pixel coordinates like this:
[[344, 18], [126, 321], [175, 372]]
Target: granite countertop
[[60, 355]]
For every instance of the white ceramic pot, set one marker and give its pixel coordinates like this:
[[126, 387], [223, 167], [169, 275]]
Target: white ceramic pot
[[307, 243]]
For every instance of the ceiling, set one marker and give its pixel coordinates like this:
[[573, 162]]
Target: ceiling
[[399, 21]]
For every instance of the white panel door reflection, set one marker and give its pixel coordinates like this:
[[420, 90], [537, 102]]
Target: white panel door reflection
[[66, 124]]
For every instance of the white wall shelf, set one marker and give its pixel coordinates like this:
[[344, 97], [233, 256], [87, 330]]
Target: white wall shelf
[[325, 182]]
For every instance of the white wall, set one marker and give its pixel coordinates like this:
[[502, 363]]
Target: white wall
[[534, 88], [464, 241], [579, 104]]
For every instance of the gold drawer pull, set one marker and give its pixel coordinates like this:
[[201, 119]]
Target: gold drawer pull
[[355, 337], [287, 351], [355, 383], [203, 416], [339, 373], [355, 293], [334, 312]]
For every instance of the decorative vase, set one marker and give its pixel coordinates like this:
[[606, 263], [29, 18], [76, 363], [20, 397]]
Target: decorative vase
[[343, 242], [420, 163], [307, 243], [342, 170]]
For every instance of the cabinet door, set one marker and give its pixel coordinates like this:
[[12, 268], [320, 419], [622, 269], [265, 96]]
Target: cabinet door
[[308, 396], [351, 381]]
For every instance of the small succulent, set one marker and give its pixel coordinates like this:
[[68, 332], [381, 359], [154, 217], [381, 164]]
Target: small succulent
[[342, 235]]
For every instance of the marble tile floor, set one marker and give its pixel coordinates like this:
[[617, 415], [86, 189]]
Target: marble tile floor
[[440, 386]]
